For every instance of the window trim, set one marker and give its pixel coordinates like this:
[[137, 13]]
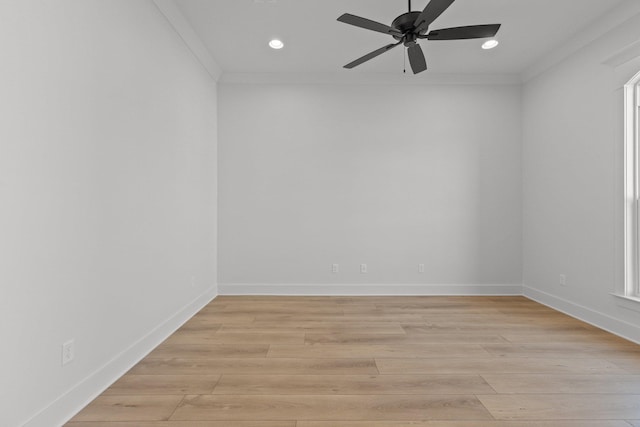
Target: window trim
[[632, 188]]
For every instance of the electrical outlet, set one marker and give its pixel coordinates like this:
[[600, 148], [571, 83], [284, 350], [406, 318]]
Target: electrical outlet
[[68, 352], [335, 268], [563, 280], [363, 268], [420, 268]]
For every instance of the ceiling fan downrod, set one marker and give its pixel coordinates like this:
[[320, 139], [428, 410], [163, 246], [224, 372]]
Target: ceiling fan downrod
[[410, 27]]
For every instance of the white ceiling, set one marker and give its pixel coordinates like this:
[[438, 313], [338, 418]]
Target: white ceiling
[[237, 32]]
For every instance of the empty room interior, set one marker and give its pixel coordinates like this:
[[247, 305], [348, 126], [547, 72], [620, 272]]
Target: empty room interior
[[219, 213]]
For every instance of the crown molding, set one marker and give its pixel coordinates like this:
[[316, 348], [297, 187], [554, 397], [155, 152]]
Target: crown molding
[[614, 18], [625, 11], [351, 78], [180, 24], [628, 53]]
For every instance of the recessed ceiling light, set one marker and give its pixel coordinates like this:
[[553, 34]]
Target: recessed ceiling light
[[276, 44], [490, 44]]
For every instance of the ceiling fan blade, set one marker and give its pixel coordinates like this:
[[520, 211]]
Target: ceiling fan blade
[[430, 13], [371, 55], [368, 24], [416, 59], [461, 33]]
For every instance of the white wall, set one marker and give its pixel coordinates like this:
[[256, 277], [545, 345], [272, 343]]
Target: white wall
[[107, 195], [388, 175], [573, 178]]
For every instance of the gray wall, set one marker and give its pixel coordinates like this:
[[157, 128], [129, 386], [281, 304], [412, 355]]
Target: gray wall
[[107, 192], [391, 176], [573, 175]]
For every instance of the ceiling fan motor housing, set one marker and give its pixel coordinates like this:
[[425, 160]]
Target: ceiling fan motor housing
[[410, 27], [405, 23]]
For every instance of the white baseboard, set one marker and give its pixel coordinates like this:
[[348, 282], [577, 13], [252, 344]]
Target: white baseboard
[[70, 403], [364, 289], [603, 321]]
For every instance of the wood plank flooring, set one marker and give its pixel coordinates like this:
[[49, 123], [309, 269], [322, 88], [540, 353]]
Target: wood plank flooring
[[378, 362]]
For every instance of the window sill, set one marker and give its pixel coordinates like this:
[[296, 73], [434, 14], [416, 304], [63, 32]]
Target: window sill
[[628, 302]]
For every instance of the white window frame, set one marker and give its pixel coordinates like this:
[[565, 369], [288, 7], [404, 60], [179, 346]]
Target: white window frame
[[632, 187]]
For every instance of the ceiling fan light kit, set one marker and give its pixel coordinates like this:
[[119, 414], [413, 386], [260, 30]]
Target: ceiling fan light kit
[[276, 44], [490, 44], [412, 26]]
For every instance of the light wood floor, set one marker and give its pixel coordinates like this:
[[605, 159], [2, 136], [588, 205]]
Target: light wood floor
[[378, 362]]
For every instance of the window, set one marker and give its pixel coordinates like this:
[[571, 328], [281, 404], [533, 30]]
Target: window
[[632, 187]]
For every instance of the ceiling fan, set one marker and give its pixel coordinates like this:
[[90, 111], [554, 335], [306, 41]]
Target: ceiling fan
[[410, 27]]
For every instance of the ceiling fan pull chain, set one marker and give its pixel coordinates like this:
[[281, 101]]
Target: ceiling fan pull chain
[[411, 27], [404, 56]]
